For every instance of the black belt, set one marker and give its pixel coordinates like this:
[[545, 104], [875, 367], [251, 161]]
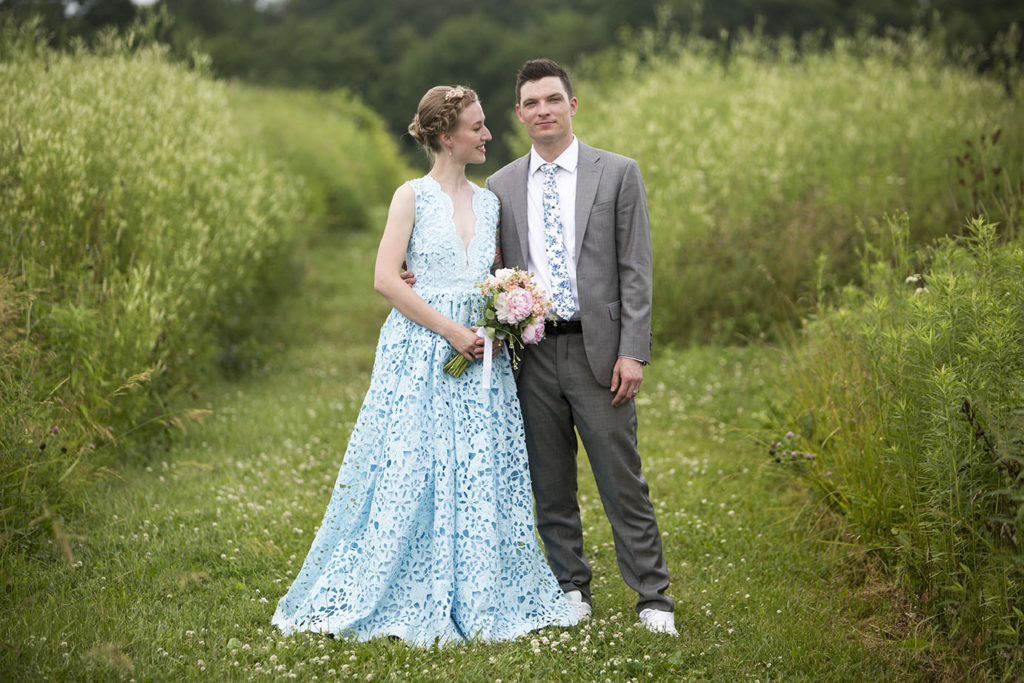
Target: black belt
[[553, 327]]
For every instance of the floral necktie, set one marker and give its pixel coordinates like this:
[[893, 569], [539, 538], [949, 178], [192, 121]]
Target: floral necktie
[[561, 292]]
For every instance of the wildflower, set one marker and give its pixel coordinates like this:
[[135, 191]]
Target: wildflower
[[790, 435], [54, 429]]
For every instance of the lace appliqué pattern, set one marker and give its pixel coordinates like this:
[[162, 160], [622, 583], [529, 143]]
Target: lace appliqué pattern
[[429, 533]]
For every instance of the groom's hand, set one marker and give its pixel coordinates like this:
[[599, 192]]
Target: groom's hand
[[627, 376], [407, 276]]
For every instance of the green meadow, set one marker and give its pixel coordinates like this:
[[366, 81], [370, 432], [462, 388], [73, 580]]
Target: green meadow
[[831, 427], [177, 567]]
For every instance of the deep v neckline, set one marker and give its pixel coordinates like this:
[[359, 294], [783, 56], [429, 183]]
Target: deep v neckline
[[451, 219]]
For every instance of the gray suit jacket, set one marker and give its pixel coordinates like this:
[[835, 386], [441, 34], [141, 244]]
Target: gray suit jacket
[[613, 252]]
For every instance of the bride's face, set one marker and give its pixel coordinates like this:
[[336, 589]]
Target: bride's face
[[470, 137]]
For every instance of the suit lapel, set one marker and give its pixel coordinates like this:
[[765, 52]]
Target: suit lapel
[[519, 208], [588, 174]]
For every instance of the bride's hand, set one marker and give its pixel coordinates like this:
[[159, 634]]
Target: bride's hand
[[465, 341], [495, 344]]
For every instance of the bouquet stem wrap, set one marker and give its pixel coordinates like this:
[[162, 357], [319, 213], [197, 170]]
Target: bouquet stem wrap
[[488, 356], [457, 364]]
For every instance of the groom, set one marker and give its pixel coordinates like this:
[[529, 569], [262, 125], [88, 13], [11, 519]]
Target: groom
[[576, 217]]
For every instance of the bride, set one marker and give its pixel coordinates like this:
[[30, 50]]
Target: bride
[[429, 535]]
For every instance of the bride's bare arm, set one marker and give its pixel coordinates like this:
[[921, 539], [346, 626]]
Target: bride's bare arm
[[388, 282]]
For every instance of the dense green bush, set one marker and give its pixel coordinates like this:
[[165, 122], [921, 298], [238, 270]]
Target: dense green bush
[[761, 166], [139, 230], [340, 148], [906, 409]]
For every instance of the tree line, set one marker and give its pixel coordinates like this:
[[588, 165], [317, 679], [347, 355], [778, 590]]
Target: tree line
[[390, 51]]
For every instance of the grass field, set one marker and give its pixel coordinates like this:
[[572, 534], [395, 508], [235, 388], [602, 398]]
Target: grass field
[[774, 180], [175, 572]]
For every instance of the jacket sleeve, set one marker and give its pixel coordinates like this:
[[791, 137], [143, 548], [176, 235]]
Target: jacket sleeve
[[635, 263]]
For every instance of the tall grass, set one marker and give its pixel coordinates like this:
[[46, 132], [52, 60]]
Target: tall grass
[[140, 232], [906, 409], [763, 165], [150, 222], [339, 147]]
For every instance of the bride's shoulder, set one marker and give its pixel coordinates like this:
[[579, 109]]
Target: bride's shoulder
[[419, 190], [486, 194], [418, 184]]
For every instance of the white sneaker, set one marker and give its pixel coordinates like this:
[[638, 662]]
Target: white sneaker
[[581, 609], [659, 621]]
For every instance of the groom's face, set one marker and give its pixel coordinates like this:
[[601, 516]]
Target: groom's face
[[546, 110]]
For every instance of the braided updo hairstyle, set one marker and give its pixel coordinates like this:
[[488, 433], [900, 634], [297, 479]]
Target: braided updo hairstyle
[[438, 114]]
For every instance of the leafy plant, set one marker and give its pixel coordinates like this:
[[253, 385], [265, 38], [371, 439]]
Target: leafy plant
[[762, 165], [910, 395], [141, 232]]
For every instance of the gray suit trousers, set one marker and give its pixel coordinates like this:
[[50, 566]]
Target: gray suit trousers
[[558, 392]]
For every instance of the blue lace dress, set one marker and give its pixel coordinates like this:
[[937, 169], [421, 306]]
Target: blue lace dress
[[429, 532]]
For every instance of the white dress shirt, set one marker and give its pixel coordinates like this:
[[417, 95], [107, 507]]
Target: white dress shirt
[[565, 181]]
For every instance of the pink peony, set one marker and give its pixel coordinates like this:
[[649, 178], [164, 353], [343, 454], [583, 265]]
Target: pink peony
[[533, 332], [514, 306]]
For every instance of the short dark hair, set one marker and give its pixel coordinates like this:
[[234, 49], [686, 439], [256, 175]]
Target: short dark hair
[[536, 69]]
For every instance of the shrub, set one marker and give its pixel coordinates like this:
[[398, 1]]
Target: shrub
[[905, 405], [762, 165], [333, 142], [140, 231]]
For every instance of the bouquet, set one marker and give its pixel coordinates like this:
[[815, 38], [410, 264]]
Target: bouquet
[[515, 310]]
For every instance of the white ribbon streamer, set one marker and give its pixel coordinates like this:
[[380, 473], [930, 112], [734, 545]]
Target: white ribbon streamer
[[488, 347]]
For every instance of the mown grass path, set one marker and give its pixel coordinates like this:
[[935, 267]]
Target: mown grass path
[[179, 564]]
